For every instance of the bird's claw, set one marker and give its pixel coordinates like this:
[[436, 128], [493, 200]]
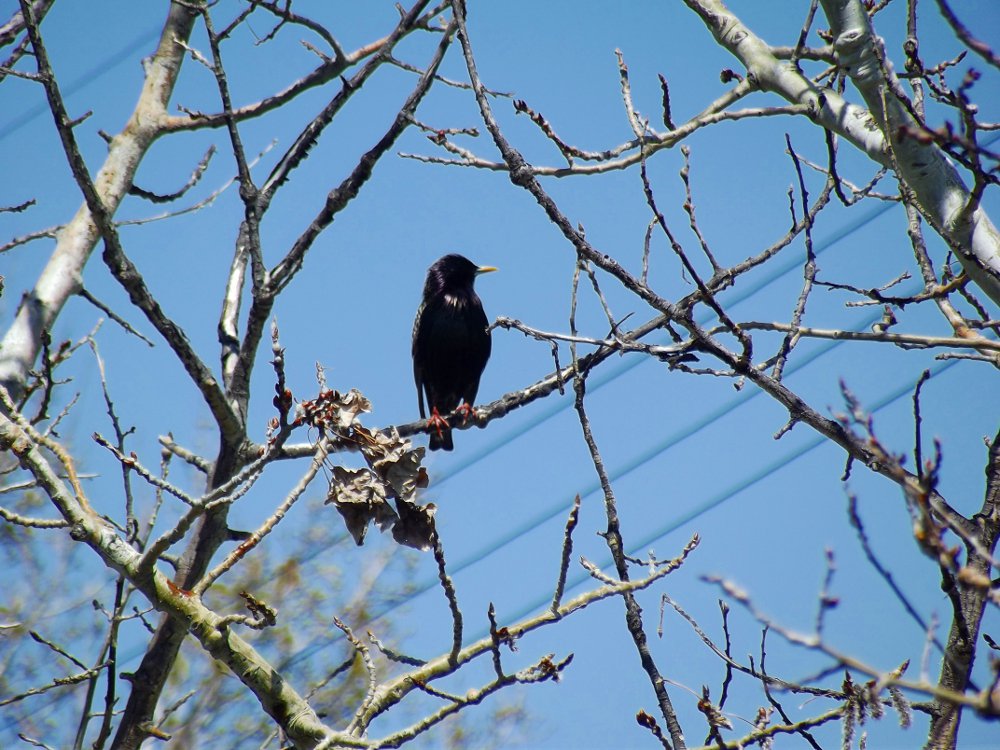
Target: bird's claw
[[437, 421], [466, 411]]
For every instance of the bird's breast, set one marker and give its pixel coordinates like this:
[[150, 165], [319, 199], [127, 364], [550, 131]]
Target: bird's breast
[[455, 301]]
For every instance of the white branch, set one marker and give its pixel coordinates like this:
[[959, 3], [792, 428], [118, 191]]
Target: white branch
[[61, 277], [935, 181]]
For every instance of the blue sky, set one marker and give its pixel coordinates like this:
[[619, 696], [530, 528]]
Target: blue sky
[[766, 510]]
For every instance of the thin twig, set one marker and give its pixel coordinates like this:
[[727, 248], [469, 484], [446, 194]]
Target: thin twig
[[450, 595], [567, 551]]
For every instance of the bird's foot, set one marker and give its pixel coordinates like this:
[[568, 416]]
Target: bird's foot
[[466, 411], [437, 421]]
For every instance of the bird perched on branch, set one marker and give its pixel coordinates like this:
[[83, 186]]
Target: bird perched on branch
[[451, 344]]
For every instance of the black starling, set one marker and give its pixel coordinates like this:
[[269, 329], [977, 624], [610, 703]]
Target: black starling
[[451, 343]]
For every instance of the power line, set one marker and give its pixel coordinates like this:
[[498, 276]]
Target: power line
[[92, 74], [739, 294], [608, 375], [600, 380], [728, 493], [556, 509]]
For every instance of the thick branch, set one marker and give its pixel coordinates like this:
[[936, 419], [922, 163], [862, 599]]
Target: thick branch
[[960, 651], [939, 189], [60, 278], [276, 696]]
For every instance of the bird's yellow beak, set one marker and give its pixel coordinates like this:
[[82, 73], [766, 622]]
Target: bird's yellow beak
[[486, 269]]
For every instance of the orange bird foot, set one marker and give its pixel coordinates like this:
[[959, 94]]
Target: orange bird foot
[[437, 421], [466, 411]]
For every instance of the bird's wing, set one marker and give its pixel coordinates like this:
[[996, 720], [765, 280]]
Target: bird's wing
[[480, 346], [418, 379]]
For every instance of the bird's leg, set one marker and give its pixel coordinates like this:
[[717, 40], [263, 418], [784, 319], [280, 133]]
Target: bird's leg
[[436, 421], [465, 409]]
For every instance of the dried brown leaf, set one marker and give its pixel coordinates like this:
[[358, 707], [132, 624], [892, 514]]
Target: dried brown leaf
[[415, 526]]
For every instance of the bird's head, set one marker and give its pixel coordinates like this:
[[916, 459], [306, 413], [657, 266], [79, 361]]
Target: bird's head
[[454, 273]]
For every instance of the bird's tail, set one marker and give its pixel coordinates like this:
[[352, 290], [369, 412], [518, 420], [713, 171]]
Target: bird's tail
[[441, 439]]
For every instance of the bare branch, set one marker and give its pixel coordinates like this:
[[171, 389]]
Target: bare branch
[[61, 276], [567, 550]]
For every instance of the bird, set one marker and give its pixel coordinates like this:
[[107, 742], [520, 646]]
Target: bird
[[451, 344]]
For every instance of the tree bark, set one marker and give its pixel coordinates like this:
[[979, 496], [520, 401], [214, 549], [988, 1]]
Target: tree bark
[[61, 277], [969, 603]]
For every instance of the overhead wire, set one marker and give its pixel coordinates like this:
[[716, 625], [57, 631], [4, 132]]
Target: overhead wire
[[553, 407], [728, 493], [610, 374], [81, 81], [559, 508], [737, 296]]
